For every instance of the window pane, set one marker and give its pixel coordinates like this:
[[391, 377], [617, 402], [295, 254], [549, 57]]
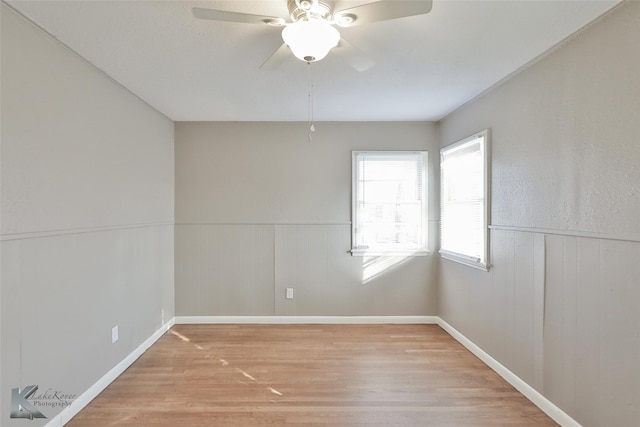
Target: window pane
[[464, 198], [390, 201]]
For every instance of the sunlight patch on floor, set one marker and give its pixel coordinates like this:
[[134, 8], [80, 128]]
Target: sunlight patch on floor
[[274, 391], [245, 374], [179, 335]]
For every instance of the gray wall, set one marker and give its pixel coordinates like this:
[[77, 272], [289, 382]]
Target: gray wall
[[260, 208], [87, 218], [561, 305]]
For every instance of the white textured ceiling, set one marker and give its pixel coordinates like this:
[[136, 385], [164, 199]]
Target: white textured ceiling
[[426, 66]]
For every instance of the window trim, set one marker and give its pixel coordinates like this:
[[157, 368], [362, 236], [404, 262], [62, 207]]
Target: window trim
[[459, 257], [354, 205]]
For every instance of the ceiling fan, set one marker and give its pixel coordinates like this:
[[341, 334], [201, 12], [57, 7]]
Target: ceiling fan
[[311, 34]]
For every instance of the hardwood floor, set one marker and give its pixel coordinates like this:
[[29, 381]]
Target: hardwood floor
[[309, 375]]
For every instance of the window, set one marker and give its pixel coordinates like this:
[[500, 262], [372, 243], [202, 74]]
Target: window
[[464, 171], [389, 203]]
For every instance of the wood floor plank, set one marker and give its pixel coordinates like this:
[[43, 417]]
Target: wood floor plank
[[309, 375]]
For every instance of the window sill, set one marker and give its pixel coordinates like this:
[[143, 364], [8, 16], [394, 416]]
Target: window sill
[[465, 260], [368, 252]]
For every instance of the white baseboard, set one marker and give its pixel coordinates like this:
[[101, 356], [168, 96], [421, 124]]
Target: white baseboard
[[278, 320], [83, 400], [555, 413]]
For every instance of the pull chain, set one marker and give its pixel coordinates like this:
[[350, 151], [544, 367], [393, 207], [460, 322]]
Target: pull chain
[[312, 128]]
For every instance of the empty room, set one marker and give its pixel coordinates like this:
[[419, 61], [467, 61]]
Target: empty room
[[319, 213]]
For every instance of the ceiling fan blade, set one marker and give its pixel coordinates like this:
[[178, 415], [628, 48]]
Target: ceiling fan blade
[[246, 18], [354, 56], [277, 59], [381, 11]]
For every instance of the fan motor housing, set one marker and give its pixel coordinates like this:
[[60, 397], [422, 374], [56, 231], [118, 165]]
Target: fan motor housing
[[298, 9]]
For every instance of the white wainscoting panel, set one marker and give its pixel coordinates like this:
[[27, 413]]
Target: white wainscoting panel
[[560, 312], [224, 270]]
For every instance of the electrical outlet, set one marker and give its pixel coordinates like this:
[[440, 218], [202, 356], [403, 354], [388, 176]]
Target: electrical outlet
[[114, 334], [289, 293]]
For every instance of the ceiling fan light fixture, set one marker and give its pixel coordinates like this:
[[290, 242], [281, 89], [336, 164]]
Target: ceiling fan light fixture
[[310, 40], [345, 19]]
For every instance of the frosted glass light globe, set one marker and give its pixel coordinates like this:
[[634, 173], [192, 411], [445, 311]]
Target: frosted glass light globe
[[310, 40]]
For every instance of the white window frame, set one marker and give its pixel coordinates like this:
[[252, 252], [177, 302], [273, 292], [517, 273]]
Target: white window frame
[[358, 251], [481, 262]]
